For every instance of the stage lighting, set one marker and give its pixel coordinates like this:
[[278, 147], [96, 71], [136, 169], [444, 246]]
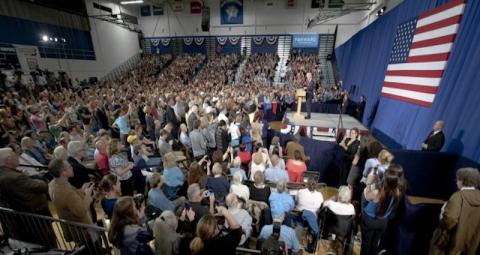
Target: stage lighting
[[63, 40], [51, 39], [132, 2], [44, 38], [55, 39]]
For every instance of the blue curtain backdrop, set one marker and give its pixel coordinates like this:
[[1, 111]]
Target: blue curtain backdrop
[[363, 61]]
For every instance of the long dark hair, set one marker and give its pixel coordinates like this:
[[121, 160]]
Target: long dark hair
[[388, 191], [123, 215]]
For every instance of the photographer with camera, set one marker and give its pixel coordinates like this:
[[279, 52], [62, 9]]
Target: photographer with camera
[[379, 202], [278, 237], [211, 238], [127, 231]]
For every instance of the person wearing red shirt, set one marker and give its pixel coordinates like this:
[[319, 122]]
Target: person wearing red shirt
[[296, 167], [102, 157]]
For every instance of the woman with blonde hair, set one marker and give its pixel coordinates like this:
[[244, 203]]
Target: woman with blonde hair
[[209, 238], [174, 177], [379, 164]]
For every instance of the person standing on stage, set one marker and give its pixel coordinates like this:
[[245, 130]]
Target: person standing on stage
[[309, 89], [435, 139]]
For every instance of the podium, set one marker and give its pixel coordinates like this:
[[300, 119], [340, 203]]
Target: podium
[[300, 94]]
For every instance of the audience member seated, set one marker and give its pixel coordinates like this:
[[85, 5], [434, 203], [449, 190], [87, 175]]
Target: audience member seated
[[235, 207], [275, 145], [245, 157], [280, 201], [257, 165], [126, 231], [120, 166], [33, 151], [72, 204], [210, 239], [238, 188], [236, 167], [26, 159], [341, 204], [458, 231], [259, 191], [218, 184], [287, 234], [157, 198], [195, 197], [275, 173], [111, 191], [296, 167], [173, 176], [17, 190]]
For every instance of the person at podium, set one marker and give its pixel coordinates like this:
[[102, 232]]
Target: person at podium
[[309, 89]]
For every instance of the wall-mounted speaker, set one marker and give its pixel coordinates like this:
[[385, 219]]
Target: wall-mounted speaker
[[205, 18]]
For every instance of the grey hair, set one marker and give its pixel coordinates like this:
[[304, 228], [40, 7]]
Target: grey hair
[[281, 186], [60, 152], [237, 178], [231, 200], [344, 194], [169, 218], [4, 154], [193, 191], [278, 217], [73, 148], [469, 176]]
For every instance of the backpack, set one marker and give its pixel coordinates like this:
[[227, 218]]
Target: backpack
[[273, 246]]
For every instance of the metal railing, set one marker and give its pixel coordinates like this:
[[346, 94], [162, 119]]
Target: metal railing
[[54, 234]]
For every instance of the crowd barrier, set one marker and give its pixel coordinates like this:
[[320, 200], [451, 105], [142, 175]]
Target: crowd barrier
[[51, 234]]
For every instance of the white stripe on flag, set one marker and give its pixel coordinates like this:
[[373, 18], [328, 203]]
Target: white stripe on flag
[[437, 65], [433, 82], [452, 29], [427, 97], [457, 10], [436, 49]]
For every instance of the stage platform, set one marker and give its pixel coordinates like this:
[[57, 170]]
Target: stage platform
[[322, 126]]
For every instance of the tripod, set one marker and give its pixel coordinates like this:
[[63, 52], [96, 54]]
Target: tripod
[[340, 120]]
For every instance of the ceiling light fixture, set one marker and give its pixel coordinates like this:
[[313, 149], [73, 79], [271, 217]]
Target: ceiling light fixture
[[132, 2]]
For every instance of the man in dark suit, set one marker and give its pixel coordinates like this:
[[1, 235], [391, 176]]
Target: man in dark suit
[[361, 108], [309, 90], [171, 117], [436, 138], [102, 117]]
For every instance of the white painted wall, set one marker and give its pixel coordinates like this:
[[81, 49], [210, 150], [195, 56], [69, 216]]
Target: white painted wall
[[258, 19], [113, 46]]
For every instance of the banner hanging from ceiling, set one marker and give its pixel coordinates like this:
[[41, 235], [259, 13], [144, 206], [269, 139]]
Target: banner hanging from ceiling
[[231, 12]]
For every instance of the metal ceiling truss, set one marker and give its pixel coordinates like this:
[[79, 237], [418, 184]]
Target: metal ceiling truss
[[333, 9]]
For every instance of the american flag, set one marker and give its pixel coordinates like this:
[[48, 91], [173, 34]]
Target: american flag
[[420, 53]]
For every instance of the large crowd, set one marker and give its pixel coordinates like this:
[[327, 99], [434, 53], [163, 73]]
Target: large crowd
[[180, 163]]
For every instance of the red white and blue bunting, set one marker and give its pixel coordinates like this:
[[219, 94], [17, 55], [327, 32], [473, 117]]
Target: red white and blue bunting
[[234, 40], [165, 41], [199, 40], [188, 40], [155, 42], [222, 40], [258, 40], [271, 39]]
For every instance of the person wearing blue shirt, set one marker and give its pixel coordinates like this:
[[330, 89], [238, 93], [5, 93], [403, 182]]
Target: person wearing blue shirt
[[287, 234], [121, 121], [275, 173], [157, 198], [280, 201], [173, 176], [237, 162]]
